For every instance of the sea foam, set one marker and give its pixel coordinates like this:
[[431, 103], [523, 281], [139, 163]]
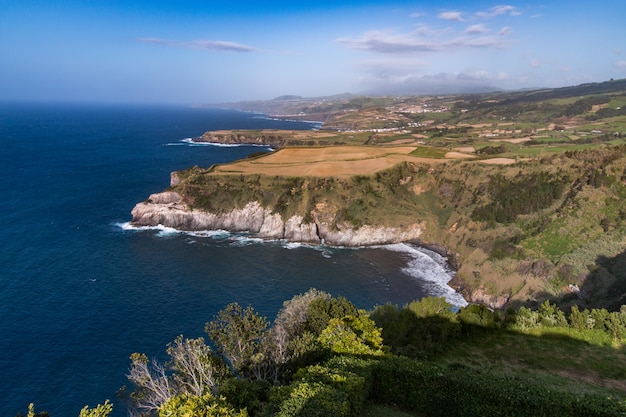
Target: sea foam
[[192, 142], [432, 269]]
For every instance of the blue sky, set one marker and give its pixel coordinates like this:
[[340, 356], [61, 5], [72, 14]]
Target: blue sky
[[205, 52]]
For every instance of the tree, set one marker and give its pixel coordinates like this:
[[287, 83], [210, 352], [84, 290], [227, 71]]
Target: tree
[[356, 335], [196, 368], [193, 368], [291, 319], [432, 306], [101, 410], [551, 316], [153, 387], [322, 309], [577, 319], [31, 412], [289, 337], [238, 335], [188, 405], [476, 315]]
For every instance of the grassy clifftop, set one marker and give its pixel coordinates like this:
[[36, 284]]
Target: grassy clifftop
[[526, 189], [553, 227]]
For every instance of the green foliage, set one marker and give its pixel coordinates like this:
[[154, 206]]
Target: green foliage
[[590, 324], [358, 371], [354, 335], [244, 394], [307, 399], [101, 410], [551, 316], [476, 316], [353, 386], [578, 319], [352, 365], [305, 350], [506, 248], [429, 389], [585, 104], [419, 329], [188, 405], [238, 334], [522, 195], [432, 306], [193, 369], [196, 368], [31, 412], [339, 387], [322, 310], [404, 382]]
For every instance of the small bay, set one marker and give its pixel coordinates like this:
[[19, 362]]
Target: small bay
[[80, 291]]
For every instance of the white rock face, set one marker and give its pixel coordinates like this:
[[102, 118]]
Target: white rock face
[[296, 231], [369, 235], [168, 209]]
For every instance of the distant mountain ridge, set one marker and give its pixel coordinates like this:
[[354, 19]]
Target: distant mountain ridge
[[292, 106], [323, 108]]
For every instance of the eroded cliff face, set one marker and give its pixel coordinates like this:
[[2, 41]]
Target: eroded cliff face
[[243, 138], [169, 209]]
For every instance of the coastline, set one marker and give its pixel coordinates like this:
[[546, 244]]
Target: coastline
[[314, 234], [431, 268]]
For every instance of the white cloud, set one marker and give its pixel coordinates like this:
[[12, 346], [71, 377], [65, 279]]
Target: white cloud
[[498, 11], [389, 42], [534, 63], [476, 29], [224, 46], [451, 15], [505, 31], [417, 15]]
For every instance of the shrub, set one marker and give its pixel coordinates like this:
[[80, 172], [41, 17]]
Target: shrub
[[350, 384], [241, 393], [187, 405], [476, 316], [355, 335], [322, 309], [307, 399], [418, 329], [428, 389]]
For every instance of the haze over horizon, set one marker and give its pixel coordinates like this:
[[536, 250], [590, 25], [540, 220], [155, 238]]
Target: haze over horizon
[[204, 52]]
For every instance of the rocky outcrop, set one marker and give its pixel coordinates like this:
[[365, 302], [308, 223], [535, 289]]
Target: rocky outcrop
[[169, 209], [480, 296], [243, 138]]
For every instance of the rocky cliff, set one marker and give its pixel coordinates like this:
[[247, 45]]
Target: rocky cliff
[[244, 138], [169, 209]]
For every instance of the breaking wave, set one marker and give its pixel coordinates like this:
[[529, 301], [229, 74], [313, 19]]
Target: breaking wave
[[432, 269]]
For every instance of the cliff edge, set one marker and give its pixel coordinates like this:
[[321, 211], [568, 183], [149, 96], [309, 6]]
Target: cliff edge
[[169, 209]]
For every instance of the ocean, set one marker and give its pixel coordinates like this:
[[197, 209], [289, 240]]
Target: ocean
[[81, 290]]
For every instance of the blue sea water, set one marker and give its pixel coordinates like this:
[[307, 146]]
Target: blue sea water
[[80, 291]]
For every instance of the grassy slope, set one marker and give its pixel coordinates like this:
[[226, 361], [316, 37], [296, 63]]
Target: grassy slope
[[576, 238]]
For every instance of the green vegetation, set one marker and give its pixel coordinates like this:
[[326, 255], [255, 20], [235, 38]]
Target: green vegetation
[[521, 195], [527, 231], [543, 235], [423, 359], [427, 152], [549, 221]]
